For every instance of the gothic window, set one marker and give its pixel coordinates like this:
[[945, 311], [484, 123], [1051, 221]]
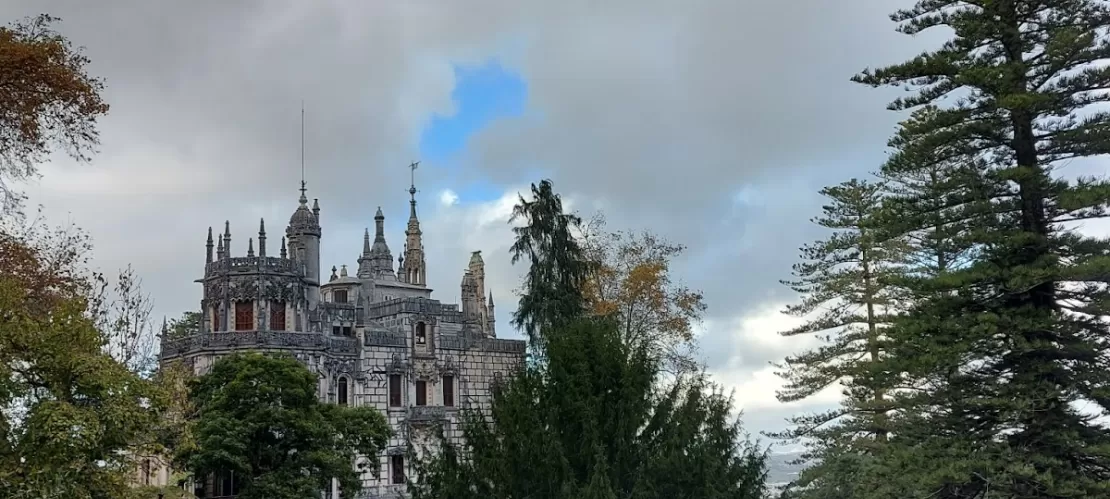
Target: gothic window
[[341, 392], [347, 331], [336, 330], [215, 320], [339, 296], [395, 390], [397, 468], [244, 316], [421, 392], [449, 391], [421, 333], [277, 316]]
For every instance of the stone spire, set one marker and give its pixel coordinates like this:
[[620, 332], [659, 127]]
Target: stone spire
[[284, 253], [413, 266], [220, 249], [208, 247], [250, 247], [379, 261], [227, 238], [491, 318], [262, 237]]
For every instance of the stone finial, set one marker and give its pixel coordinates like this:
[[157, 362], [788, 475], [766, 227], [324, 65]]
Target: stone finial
[[208, 246], [490, 299], [333, 276], [250, 247], [220, 249], [343, 270], [261, 237], [284, 253]]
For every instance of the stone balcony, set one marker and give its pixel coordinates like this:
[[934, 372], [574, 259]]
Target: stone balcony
[[424, 414]]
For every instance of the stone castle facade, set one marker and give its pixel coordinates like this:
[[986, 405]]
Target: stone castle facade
[[375, 338]]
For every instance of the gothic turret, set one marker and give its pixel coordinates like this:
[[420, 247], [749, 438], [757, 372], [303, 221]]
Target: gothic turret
[[491, 318], [378, 261], [208, 247], [303, 234], [261, 237]]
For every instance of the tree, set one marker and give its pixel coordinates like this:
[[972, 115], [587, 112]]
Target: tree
[[127, 323], [70, 412], [48, 101], [630, 278], [847, 299], [1007, 346], [258, 416], [552, 292], [590, 422], [187, 325]]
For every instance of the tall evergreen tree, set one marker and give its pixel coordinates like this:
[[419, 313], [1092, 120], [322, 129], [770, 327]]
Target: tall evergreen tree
[[1004, 348], [590, 422], [847, 298], [552, 292]]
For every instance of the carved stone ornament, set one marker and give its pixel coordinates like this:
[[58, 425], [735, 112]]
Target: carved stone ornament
[[243, 288], [424, 368], [448, 366]]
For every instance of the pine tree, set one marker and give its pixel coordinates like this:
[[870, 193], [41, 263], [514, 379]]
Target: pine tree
[[557, 272], [847, 300], [1003, 349]]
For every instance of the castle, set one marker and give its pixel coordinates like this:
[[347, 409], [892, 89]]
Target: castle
[[376, 338]]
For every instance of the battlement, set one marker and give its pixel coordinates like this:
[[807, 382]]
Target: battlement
[[250, 264]]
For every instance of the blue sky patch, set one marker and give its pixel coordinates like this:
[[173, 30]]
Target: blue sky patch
[[482, 94]]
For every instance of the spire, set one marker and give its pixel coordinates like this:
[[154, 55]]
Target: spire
[[412, 190], [227, 238], [284, 253], [379, 261], [262, 237], [220, 250], [316, 208], [250, 247], [413, 269], [490, 303], [366, 242], [208, 246]]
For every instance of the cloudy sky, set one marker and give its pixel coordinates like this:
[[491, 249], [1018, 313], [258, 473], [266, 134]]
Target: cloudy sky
[[711, 122]]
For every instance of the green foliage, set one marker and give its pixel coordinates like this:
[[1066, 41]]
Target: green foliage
[[553, 287], [69, 410], [259, 417], [186, 325], [589, 422], [1002, 336]]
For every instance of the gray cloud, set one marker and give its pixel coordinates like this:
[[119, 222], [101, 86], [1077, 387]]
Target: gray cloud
[[658, 111]]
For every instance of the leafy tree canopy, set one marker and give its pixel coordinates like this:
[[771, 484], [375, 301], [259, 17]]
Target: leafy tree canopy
[[259, 417]]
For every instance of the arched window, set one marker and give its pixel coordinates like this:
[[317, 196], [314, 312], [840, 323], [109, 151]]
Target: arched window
[[341, 391], [421, 333]]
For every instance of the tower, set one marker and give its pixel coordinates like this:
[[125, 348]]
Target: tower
[[413, 267], [303, 236]]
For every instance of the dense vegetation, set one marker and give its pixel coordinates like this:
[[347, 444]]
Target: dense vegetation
[[974, 313]]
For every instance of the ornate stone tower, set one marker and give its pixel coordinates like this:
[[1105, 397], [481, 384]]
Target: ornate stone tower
[[304, 234], [413, 269]]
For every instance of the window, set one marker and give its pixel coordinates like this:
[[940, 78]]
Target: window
[[339, 296], [397, 465], [347, 331], [336, 330], [215, 320], [227, 484], [421, 392], [341, 392], [421, 333], [244, 316], [277, 316], [395, 390], [449, 391]]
